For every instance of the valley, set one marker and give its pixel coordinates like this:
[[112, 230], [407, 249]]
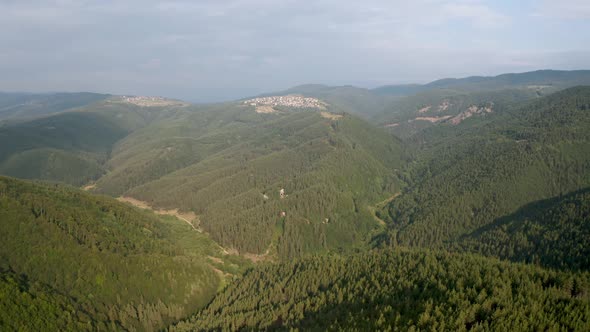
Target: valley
[[454, 205]]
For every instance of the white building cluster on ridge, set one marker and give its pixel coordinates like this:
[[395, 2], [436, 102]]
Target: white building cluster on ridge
[[288, 101]]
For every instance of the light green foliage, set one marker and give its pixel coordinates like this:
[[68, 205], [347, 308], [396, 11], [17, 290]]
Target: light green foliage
[[119, 266]]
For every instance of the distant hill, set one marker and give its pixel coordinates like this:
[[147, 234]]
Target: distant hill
[[555, 78], [19, 106], [399, 290], [74, 261], [441, 101]]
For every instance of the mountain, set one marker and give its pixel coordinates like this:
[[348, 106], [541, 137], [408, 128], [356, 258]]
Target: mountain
[[555, 78], [75, 261], [454, 100], [299, 210], [399, 290], [18, 106], [464, 178], [228, 163], [548, 232]]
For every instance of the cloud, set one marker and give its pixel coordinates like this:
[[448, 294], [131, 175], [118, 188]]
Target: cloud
[[564, 9]]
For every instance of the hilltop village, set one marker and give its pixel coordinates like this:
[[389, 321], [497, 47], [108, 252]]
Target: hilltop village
[[149, 101], [287, 101]]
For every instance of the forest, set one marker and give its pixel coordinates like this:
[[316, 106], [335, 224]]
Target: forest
[[301, 219]]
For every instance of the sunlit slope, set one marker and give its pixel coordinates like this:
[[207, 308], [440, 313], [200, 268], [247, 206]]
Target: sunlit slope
[[109, 265]]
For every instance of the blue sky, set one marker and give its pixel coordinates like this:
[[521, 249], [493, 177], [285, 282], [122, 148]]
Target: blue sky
[[221, 49]]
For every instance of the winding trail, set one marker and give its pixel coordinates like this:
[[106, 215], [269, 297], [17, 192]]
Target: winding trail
[[373, 208]]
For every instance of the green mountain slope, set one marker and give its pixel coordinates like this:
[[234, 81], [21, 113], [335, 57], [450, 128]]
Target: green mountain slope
[[465, 178], [227, 164], [99, 262], [399, 290], [551, 233]]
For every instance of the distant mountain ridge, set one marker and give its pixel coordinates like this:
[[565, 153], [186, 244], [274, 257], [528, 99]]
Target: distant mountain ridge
[[560, 78]]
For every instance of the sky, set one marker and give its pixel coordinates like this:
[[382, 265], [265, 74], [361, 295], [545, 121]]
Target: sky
[[212, 50]]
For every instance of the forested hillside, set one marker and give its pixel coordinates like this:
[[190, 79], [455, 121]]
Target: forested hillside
[[466, 178], [400, 290], [75, 261], [333, 222], [229, 163], [551, 232]]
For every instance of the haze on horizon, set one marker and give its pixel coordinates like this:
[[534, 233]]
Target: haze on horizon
[[223, 49]]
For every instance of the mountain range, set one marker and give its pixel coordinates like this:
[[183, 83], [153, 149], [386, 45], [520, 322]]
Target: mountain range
[[461, 204]]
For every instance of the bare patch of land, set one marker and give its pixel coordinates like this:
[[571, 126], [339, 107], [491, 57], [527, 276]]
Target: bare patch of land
[[331, 116], [89, 186], [189, 217], [265, 109], [373, 208], [432, 119], [424, 109], [472, 110], [255, 258]]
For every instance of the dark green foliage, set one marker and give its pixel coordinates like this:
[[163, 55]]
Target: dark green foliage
[[464, 178], [399, 290], [552, 232], [119, 265]]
